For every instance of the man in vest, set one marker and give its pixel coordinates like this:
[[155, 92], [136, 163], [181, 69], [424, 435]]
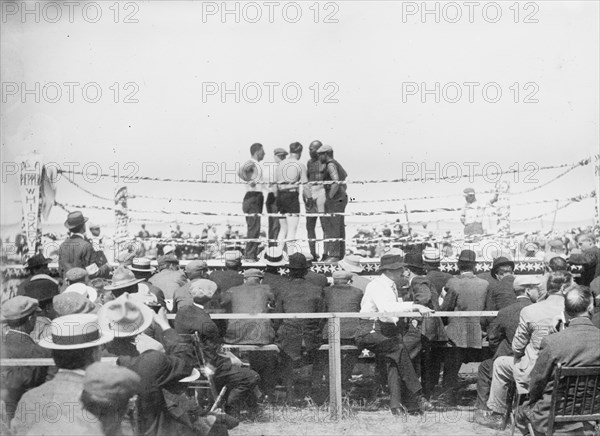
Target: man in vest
[[336, 200]]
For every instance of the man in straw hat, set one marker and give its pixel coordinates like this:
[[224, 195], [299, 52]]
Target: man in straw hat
[[75, 342], [351, 264], [274, 273], [240, 381], [76, 250], [142, 269], [19, 314], [432, 259], [382, 335], [300, 295]]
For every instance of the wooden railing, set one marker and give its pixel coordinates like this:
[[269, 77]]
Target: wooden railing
[[335, 375]]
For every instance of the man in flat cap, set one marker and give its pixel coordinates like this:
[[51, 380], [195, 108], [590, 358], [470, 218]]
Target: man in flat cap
[[253, 297], [194, 270], [169, 277], [19, 314], [536, 321], [240, 381], [500, 335], [227, 278], [342, 296], [473, 212], [336, 201]]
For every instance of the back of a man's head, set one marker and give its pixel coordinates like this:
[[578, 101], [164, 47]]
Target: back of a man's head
[[558, 264], [76, 359], [557, 280], [578, 301]]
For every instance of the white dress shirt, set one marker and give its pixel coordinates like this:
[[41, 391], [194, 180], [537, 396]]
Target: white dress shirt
[[381, 295]]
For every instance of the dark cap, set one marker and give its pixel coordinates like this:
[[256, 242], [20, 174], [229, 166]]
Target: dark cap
[[298, 261], [37, 261], [110, 384], [391, 262]]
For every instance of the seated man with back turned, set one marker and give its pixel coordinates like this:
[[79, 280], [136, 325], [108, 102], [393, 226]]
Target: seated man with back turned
[[240, 381], [577, 345], [342, 297], [253, 297], [535, 323], [500, 335], [382, 335]]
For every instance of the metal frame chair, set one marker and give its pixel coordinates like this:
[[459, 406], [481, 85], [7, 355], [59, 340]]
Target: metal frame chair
[[206, 382]]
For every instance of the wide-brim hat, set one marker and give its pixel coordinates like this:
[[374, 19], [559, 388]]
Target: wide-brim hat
[[83, 290], [37, 260], [74, 332], [141, 264], [391, 262], [298, 261], [122, 278], [414, 259], [273, 256], [467, 256], [75, 219], [351, 263], [124, 317], [501, 261]]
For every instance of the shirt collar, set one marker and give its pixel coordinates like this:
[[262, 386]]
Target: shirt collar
[[42, 277], [580, 320], [80, 372], [523, 297], [198, 305], [18, 331], [467, 273], [78, 234]]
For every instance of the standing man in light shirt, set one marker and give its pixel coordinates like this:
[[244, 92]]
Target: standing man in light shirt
[[251, 172], [289, 172], [316, 202], [382, 335], [279, 155]]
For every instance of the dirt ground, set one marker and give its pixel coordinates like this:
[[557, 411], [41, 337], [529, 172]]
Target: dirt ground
[[363, 417]]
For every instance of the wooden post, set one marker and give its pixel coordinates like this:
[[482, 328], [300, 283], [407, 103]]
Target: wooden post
[[335, 369]]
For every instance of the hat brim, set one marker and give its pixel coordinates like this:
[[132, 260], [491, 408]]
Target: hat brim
[[46, 342], [92, 293], [497, 266], [195, 375], [122, 285], [151, 270], [70, 227], [281, 262], [350, 268], [147, 314]]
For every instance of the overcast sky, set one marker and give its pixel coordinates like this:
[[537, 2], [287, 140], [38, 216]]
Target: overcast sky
[[367, 108]]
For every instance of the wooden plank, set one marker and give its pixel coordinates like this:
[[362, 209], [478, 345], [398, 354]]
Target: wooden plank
[[42, 361], [326, 315], [335, 369]]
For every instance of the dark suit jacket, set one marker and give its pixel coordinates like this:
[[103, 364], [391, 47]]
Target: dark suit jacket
[[501, 294], [577, 345], [318, 279], [343, 298], [190, 319], [74, 252], [300, 296], [249, 298], [18, 380], [438, 278], [224, 280], [276, 282], [502, 329]]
